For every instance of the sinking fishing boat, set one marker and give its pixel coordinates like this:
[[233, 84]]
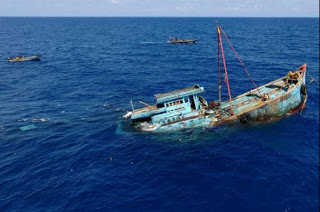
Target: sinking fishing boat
[[24, 58], [178, 40], [185, 108]]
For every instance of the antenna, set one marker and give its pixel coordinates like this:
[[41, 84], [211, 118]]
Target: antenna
[[132, 105]]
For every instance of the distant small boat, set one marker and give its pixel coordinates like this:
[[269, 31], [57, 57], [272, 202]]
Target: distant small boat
[[178, 40], [24, 58]]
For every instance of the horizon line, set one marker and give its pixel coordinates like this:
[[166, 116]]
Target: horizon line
[[159, 16]]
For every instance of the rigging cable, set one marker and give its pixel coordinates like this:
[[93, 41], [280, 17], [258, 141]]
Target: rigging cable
[[312, 78], [240, 60]]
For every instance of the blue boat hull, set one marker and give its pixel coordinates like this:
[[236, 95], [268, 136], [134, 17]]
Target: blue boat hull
[[288, 102], [275, 99]]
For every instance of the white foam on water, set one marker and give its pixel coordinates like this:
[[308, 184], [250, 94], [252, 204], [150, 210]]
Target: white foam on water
[[148, 42]]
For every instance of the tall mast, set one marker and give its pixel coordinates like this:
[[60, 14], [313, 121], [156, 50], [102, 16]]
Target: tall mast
[[241, 62], [225, 70], [219, 68]]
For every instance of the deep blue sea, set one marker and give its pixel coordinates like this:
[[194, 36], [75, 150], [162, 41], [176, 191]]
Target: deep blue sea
[[83, 156]]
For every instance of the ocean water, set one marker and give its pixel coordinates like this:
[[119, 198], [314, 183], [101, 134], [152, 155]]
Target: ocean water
[[83, 156]]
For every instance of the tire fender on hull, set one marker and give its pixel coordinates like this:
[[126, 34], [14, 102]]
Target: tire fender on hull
[[303, 89], [245, 118]]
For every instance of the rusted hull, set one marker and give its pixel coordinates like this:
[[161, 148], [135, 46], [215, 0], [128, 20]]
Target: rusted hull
[[278, 107], [274, 99], [290, 102], [300, 107]]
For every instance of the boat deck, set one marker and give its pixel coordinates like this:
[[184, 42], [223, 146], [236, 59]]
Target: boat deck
[[249, 100], [145, 109]]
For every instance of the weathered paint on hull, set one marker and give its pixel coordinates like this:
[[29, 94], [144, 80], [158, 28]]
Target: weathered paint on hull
[[280, 106], [275, 99], [200, 121], [276, 109], [291, 101]]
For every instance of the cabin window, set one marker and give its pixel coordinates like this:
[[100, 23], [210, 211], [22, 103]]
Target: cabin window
[[193, 106], [178, 102], [161, 105]]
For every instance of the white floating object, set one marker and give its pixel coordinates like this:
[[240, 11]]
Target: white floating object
[[40, 120], [127, 115]]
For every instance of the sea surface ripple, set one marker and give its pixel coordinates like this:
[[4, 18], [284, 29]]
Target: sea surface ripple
[[83, 156]]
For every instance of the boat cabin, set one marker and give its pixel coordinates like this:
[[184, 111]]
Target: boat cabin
[[173, 106]]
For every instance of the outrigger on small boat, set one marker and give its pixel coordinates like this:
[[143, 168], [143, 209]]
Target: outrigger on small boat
[[185, 108], [178, 40], [24, 58]]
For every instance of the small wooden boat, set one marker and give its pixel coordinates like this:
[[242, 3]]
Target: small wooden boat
[[185, 108], [178, 40], [24, 58]]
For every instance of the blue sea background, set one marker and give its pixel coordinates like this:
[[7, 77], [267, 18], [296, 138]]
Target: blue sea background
[[87, 157]]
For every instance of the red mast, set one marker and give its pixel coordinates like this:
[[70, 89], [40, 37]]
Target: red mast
[[219, 69], [225, 69]]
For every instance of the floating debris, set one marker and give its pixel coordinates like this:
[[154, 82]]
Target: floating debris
[[127, 115], [110, 158], [40, 120], [28, 127], [23, 120], [1, 127]]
